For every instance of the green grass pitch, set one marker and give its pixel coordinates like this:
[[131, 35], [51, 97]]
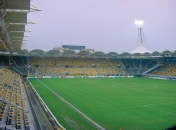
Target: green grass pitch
[[129, 103]]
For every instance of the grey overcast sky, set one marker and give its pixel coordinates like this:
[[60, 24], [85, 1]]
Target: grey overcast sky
[[103, 25]]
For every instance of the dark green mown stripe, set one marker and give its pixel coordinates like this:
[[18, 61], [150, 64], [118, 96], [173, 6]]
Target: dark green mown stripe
[[115, 103], [68, 118]]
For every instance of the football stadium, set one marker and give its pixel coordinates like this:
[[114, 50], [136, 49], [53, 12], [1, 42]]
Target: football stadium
[[75, 88]]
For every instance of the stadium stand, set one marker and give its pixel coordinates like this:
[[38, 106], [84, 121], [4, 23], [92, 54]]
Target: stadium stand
[[17, 110], [65, 61], [115, 62], [116, 71], [90, 62], [88, 66], [49, 61], [102, 62], [44, 70], [35, 61], [75, 66], [21, 107], [90, 71], [13, 110], [78, 62], [60, 70], [102, 71], [168, 70], [20, 69], [4, 60], [76, 71], [137, 66]]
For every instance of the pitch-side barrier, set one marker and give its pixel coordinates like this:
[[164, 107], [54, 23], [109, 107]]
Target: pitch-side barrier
[[81, 77]]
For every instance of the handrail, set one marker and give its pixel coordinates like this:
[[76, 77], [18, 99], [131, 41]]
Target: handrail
[[44, 107]]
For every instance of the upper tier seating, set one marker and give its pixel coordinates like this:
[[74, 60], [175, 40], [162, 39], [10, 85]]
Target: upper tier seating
[[90, 62], [89, 66], [78, 62], [102, 62], [35, 61], [169, 70], [64, 61], [49, 61], [60, 70], [137, 66]]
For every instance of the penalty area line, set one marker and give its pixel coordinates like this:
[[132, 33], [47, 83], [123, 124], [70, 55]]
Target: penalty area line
[[161, 103], [74, 108], [133, 87], [160, 110]]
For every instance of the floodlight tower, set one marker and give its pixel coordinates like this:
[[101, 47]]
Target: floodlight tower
[[141, 39]]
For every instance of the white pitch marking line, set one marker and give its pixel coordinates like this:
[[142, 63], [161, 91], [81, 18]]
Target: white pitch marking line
[[115, 85], [161, 103], [86, 117], [155, 86], [143, 84], [160, 110]]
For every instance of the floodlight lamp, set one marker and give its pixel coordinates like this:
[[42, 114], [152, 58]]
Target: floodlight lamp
[[139, 23]]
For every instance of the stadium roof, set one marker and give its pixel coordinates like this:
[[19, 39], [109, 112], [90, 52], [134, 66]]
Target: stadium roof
[[98, 53], [36, 52], [83, 53], [88, 54], [156, 53], [68, 52], [146, 54], [140, 49], [112, 54], [125, 54], [166, 52], [13, 23], [53, 52], [73, 47]]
